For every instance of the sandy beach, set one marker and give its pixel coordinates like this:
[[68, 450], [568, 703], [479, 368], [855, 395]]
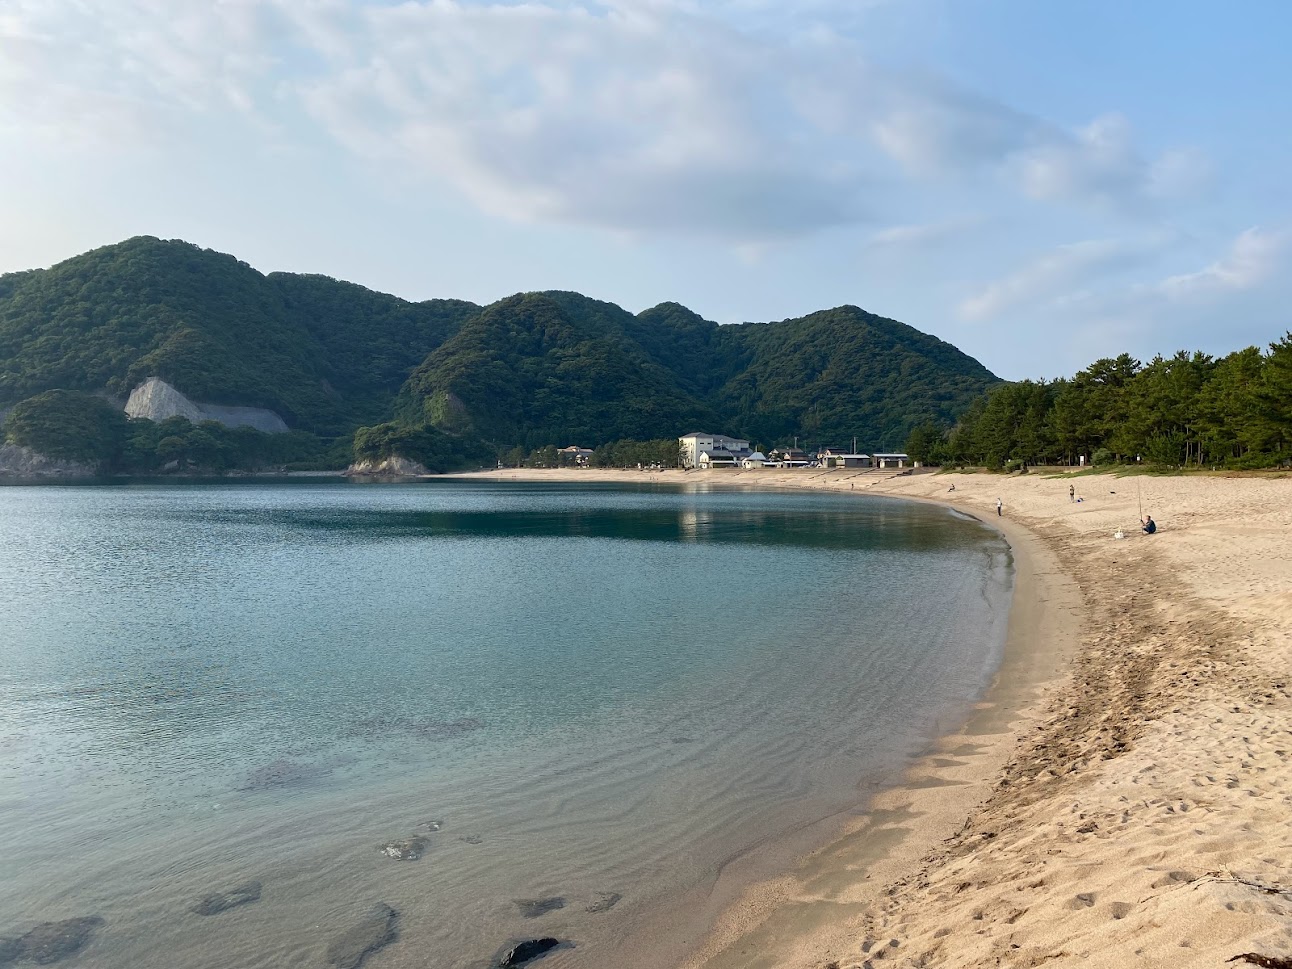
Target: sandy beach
[[1123, 796]]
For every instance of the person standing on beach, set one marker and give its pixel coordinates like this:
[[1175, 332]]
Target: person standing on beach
[[1072, 492], [999, 505]]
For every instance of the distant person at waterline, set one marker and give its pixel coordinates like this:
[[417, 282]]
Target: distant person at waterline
[[999, 505], [1150, 526]]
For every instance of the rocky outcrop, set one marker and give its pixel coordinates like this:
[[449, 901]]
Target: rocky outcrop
[[22, 462], [527, 951], [156, 400], [391, 467]]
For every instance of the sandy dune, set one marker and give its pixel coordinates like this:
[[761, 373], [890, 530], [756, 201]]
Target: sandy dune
[[1125, 798]]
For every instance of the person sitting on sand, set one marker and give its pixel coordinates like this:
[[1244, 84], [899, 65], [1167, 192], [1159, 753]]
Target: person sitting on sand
[[1150, 526], [952, 488]]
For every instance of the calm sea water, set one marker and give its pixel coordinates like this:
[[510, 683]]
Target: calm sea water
[[571, 691]]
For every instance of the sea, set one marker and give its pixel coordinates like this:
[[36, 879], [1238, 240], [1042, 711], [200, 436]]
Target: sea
[[503, 710]]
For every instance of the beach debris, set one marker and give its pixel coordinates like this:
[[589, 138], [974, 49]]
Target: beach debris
[[532, 908], [218, 902], [410, 849], [372, 932], [49, 942], [604, 902], [526, 951], [1266, 962]]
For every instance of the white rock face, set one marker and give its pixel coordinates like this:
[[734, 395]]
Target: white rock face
[[157, 400], [392, 467]]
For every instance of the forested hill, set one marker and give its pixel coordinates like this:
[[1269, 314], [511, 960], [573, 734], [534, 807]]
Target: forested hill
[[325, 355], [530, 370], [543, 368]]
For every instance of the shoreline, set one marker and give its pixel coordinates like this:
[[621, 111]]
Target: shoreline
[[743, 918], [1144, 679]]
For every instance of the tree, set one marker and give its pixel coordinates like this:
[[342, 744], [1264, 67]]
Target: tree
[[68, 425]]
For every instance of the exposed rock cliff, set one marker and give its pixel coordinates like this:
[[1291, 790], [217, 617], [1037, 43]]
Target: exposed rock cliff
[[23, 462], [157, 400], [392, 467]]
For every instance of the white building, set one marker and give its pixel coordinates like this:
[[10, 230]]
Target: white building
[[756, 460], [891, 460], [692, 446]]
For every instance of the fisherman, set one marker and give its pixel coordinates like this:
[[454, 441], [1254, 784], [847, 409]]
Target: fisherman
[[1148, 524]]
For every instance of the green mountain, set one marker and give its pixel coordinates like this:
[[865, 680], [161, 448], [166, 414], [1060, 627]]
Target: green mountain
[[541, 368], [557, 367], [530, 370], [325, 355]]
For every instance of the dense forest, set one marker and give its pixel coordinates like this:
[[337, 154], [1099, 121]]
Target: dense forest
[[352, 371], [1186, 411]]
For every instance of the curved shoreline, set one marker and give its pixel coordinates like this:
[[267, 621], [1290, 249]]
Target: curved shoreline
[[1135, 812], [811, 912]]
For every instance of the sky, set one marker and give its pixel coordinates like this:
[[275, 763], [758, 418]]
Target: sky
[[1040, 184]]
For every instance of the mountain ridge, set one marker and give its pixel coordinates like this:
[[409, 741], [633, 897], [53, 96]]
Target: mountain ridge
[[531, 369]]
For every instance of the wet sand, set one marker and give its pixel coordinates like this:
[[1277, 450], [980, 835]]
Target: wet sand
[[1121, 796]]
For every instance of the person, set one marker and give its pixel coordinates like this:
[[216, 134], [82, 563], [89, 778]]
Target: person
[[1150, 526], [952, 488], [1072, 492], [999, 505]]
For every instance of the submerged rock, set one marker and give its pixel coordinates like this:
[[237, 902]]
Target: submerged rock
[[526, 952], [10, 950], [376, 929], [50, 942], [532, 908], [408, 850], [604, 902], [218, 902], [283, 772]]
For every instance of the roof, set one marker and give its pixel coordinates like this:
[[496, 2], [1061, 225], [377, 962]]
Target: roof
[[878, 455], [700, 434]]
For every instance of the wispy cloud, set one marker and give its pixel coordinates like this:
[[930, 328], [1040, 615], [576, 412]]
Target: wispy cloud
[[1253, 258], [642, 116], [1050, 277], [922, 235]]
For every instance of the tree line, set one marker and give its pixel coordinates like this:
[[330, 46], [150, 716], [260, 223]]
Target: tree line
[[1190, 410]]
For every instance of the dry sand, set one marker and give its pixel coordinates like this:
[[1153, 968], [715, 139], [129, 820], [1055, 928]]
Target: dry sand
[[1123, 797]]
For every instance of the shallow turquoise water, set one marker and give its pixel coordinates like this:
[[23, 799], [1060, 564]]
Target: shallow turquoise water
[[592, 689]]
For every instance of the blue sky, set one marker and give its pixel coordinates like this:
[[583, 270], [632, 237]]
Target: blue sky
[[1038, 183]]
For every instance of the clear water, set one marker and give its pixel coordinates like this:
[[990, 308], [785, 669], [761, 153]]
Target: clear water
[[591, 689]]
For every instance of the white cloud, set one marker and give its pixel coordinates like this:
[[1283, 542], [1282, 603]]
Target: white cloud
[[1051, 278], [731, 119], [1253, 258], [922, 235]]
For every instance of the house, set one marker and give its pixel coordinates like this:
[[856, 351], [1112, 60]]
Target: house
[[718, 458], [789, 457], [831, 457], [691, 446], [891, 460], [756, 460], [575, 455]]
